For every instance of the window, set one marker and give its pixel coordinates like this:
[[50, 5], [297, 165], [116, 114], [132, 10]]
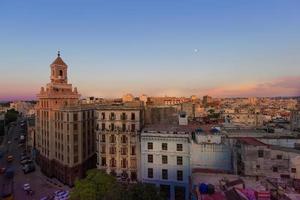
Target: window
[[103, 149], [179, 175], [275, 169], [293, 170], [112, 116], [123, 116], [279, 157], [132, 116], [179, 147], [150, 158], [60, 73], [75, 117], [133, 150], [132, 127], [150, 145], [123, 151], [124, 139], [75, 127], [112, 126], [103, 115], [123, 127], [257, 166], [164, 159], [103, 127], [164, 146], [260, 153], [179, 160], [150, 172], [164, 174], [113, 162], [112, 150], [103, 138], [103, 161], [112, 139], [124, 163]]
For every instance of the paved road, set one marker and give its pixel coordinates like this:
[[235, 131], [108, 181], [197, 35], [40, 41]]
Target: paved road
[[41, 185]]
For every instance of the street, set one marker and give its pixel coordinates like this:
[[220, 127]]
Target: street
[[40, 184]]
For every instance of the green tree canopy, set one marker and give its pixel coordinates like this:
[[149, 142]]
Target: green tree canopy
[[100, 186], [11, 116]]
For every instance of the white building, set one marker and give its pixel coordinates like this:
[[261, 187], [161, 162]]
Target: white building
[[165, 160], [209, 151]]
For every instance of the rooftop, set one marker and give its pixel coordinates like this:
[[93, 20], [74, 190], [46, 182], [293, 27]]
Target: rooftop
[[251, 141]]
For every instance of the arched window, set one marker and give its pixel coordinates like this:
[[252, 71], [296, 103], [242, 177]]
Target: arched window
[[60, 73]]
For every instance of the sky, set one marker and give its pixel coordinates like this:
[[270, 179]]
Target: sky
[[157, 47]]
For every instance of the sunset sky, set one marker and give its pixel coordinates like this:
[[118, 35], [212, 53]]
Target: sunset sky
[[155, 47]]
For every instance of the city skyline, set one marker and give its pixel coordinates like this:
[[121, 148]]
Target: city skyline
[[222, 49]]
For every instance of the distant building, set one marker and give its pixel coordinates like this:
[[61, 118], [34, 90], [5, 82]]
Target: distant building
[[206, 100], [23, 107], [118, 144], [165, 160], [295, 118], [65, 137], [127, 98]]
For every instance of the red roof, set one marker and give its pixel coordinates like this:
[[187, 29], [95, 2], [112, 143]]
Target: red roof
[[251, 141]]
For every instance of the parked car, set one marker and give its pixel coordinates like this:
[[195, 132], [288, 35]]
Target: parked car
[[26, 161], [28, 168], [24, 157], [9, 158], [2, 170]]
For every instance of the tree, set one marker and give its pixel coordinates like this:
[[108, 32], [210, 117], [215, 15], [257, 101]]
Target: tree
[[143, 191], [100, 186], [11, 116]]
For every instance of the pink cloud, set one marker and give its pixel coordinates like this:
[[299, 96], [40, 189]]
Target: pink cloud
[[284, 86]]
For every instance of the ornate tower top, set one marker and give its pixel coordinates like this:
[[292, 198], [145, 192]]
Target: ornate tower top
[[59, 70]]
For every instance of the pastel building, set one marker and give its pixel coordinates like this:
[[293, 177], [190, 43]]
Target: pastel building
[[64, 129], [165, 159], [118, 131]]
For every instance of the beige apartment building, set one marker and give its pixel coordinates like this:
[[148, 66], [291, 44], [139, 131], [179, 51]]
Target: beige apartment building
[[119, 127], [65, 129]]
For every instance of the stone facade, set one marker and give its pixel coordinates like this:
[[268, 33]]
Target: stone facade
[[64, 129], [118, 144]]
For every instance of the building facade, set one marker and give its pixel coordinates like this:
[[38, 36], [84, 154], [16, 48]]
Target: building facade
[[165, 161], [118, 147], [295, 118], [65, 136], [210, 151]]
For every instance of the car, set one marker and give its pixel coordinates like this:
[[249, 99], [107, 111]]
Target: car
[[26, 186], [9, 158], [9, 142], [26, 161], [25, 157], [28, 168], [2, 170]]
